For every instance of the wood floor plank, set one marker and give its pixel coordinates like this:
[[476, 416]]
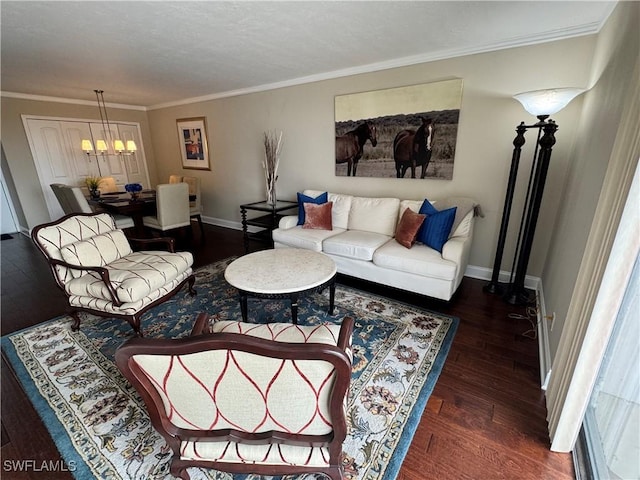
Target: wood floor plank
[[486, 417]]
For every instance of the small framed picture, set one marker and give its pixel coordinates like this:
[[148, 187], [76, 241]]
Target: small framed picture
[[192, 135]]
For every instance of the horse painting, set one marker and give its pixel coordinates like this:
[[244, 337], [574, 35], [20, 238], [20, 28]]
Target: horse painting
[[413, 148], [349, 146]]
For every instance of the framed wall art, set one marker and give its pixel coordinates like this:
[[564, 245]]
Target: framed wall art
[[405, 132], [192, 135]]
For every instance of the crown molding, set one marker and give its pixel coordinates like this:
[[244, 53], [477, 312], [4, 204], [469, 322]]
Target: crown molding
[[550, 36], [43, 98]]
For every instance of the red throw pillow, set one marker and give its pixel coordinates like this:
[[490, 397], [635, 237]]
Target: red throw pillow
[[318, 217], [408, 227]]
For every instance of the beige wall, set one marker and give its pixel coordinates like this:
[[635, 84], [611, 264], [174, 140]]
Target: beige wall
[[615, 57], [305, 114], [22, 169]]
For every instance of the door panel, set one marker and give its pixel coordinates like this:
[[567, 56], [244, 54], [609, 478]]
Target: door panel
[[84, 165], [51, 159], [134, 162]]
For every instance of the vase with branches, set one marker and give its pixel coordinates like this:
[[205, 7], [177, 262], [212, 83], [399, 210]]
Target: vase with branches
[[272, 147]]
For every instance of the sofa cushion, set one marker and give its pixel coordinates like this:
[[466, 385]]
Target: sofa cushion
[[302, 199], [408, 227], [341, 207], [96, 251], [437, 226], [354, 244], [420, 260], [377, 215], [298, 237], [318, 217]]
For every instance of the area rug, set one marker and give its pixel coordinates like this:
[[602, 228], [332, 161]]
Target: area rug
[[101, 427]]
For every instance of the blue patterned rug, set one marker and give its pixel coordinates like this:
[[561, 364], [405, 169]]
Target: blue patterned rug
[[102, 431]]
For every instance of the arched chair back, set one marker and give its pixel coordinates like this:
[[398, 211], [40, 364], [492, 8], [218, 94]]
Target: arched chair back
[[244, 398]]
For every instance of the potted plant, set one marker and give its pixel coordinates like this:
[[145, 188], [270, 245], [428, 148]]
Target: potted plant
[[92, 184]]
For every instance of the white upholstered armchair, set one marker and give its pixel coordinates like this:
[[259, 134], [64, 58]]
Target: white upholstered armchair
[[247, 398], [93, 263]]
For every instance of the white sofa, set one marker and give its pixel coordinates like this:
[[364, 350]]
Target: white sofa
[[362, 244]]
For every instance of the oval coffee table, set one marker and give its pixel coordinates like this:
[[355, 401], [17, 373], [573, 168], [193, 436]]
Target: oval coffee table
[[282, 273]]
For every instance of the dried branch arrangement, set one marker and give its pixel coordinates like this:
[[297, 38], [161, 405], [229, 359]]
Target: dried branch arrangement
[[272, 147]]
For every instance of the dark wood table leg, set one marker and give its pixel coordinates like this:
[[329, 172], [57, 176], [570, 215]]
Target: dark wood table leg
[[294, 308], [245, 232], [332, 295], [243, 305]]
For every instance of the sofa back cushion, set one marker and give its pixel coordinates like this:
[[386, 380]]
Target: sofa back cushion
[[340, 209], [377, 215]]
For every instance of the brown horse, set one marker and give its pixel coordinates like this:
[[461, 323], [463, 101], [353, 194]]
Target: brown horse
[[413, 148], [349, 146]]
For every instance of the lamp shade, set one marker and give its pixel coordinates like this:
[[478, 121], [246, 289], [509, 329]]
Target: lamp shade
[[87, 146], [118, 146], [547, 102], [101, 146], [131, 146]]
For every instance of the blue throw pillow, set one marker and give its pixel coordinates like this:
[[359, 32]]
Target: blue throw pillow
[[436, 227], [302, 199]]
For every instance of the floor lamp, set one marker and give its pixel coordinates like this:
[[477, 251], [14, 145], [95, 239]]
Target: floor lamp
[[542, 104]]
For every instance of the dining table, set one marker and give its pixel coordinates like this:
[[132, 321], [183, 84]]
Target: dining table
[[136, 207]]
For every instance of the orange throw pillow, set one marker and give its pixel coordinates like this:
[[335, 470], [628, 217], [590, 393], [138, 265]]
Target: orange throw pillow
[[318, 217], [408, 227]]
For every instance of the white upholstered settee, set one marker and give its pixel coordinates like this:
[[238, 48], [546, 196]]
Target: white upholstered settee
[[361, 242]]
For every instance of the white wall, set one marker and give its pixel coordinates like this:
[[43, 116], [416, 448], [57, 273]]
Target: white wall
[[618, 49]]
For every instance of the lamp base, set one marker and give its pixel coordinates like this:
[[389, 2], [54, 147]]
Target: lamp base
[[515, 296], [495, 288]]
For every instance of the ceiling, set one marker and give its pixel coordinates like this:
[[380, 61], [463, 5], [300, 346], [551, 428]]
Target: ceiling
[[153, 54]]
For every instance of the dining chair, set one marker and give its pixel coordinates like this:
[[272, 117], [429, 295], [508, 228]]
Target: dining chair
[[195, 206], [175, 178], [172, 207], [78, 203], [268, 399], [59, 192], [108, 185]]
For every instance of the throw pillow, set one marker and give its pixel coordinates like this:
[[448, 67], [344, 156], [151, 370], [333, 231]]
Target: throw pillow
[[302, 199], [408, 227], [318, 217], [436, 227]]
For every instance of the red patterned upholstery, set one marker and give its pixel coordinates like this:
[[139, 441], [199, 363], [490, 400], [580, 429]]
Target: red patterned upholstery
[[93, 263], [245, 402]]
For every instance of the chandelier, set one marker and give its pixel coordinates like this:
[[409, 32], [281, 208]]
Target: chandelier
[[117, 145]]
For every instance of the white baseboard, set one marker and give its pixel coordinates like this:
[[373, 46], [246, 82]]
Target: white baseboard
[[535, 284], [220, 222]]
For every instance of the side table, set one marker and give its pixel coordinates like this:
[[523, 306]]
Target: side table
[[267, 221]]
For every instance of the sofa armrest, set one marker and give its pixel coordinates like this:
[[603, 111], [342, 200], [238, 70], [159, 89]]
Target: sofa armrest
[[457, 250], [288, 221]]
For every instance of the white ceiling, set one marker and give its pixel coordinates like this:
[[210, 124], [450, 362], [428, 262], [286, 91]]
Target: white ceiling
[[160, 53]]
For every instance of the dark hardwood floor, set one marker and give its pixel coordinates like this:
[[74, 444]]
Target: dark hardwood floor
[[484, 420]]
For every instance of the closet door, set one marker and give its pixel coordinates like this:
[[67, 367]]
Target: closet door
[[109, 164], [53, 161], [134, 163], [84, 165]]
